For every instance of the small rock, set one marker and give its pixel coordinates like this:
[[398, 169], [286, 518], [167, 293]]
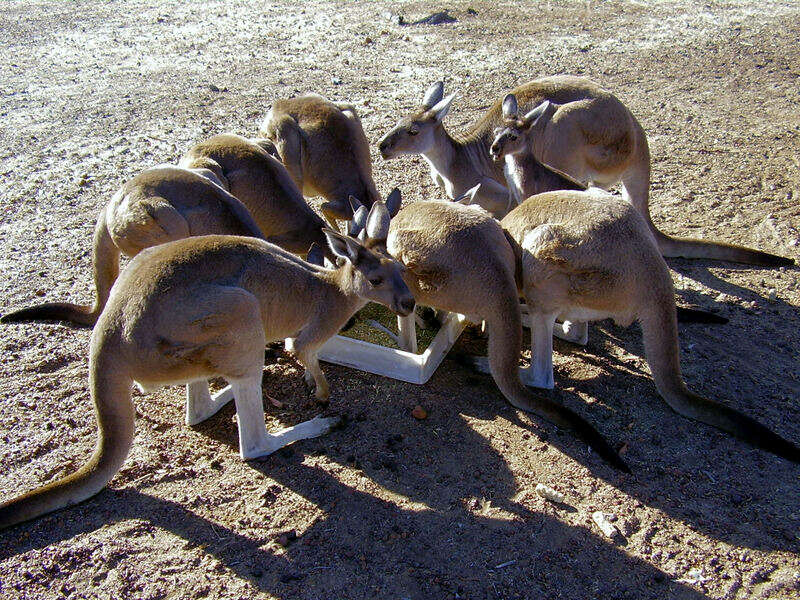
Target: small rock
[[286, 538], [213, 88], [336, 81], [606, 526], [419, 413], [367, 41], [772, 294], [549, 493]]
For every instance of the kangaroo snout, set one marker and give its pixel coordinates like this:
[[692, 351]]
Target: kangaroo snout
[[405, 306], [385, 147], [495, 151]]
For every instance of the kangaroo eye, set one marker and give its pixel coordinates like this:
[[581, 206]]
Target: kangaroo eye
[[376, 281]]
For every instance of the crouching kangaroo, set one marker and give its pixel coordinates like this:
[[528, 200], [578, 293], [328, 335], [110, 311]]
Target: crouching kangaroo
[[585, 132], [203, 307], [325, 150], [457, 258], [588, 256]]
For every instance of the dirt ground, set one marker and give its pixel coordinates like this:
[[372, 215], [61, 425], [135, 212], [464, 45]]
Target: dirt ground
[[391, 507]]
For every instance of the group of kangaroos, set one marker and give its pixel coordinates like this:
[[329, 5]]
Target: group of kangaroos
[[227, 256]]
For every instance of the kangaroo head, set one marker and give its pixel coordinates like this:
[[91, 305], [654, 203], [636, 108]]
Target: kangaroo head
[[414, 134], [372, 274], [513, 137]]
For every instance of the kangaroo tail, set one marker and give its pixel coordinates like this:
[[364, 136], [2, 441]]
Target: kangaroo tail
[[53, 311], [105, 266], [636, 187], [693, 315], [660, 331], [505, 339], [115, 415], [693, 248]]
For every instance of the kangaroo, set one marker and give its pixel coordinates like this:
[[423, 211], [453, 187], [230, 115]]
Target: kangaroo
[[585, 132], [457, 258], [325, 150], [159, 205], [203, 307], [264, 186], [589, 256]]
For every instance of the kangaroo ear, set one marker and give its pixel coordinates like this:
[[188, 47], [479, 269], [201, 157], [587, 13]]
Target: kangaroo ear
[[393, 201], [342, 246], [354, 203], [537, 113], [378, 222], [315, 255], [510, 108], [468, 197], [441, 109], [433, 95], [359, 221]]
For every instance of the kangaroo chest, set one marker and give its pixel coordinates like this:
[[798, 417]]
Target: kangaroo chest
[[440, 179]]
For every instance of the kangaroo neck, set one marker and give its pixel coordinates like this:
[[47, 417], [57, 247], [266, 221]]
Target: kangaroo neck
[[344, 301], [459, 162], [528, 176]]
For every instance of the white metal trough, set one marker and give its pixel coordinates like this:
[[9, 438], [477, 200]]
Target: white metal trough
[[405, 365]]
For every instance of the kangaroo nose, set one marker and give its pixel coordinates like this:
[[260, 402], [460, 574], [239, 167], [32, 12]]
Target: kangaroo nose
[[407, 305]]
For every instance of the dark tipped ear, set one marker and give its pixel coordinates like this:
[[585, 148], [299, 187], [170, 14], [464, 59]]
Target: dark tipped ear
[[354, 203], [358, 222], [468, 197], [510, 108], [315, 255], [393, 201], [441, 108], [433, 95], [342, 246], [378, 222], [537, 113]]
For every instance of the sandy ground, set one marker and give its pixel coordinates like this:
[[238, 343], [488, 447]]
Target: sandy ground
[[389, 507]]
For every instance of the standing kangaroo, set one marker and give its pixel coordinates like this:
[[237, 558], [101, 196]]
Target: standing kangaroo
[[204, 307], [585, 132], [588, 256], [457, 258], [325, 150]]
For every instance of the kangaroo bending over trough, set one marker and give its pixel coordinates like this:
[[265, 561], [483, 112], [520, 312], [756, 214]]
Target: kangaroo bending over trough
[[457, 258], [168, 203], [586, 132], [588, 256], [264, 186], [323, 146], [203, 307], [159, 205]]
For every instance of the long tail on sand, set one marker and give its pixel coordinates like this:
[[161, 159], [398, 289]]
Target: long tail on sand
[[53, 311], [693, 315]]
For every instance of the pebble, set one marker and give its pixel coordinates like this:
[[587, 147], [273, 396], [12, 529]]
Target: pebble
[[419, 413], [286, 538], [606, 526], [549, 493]]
